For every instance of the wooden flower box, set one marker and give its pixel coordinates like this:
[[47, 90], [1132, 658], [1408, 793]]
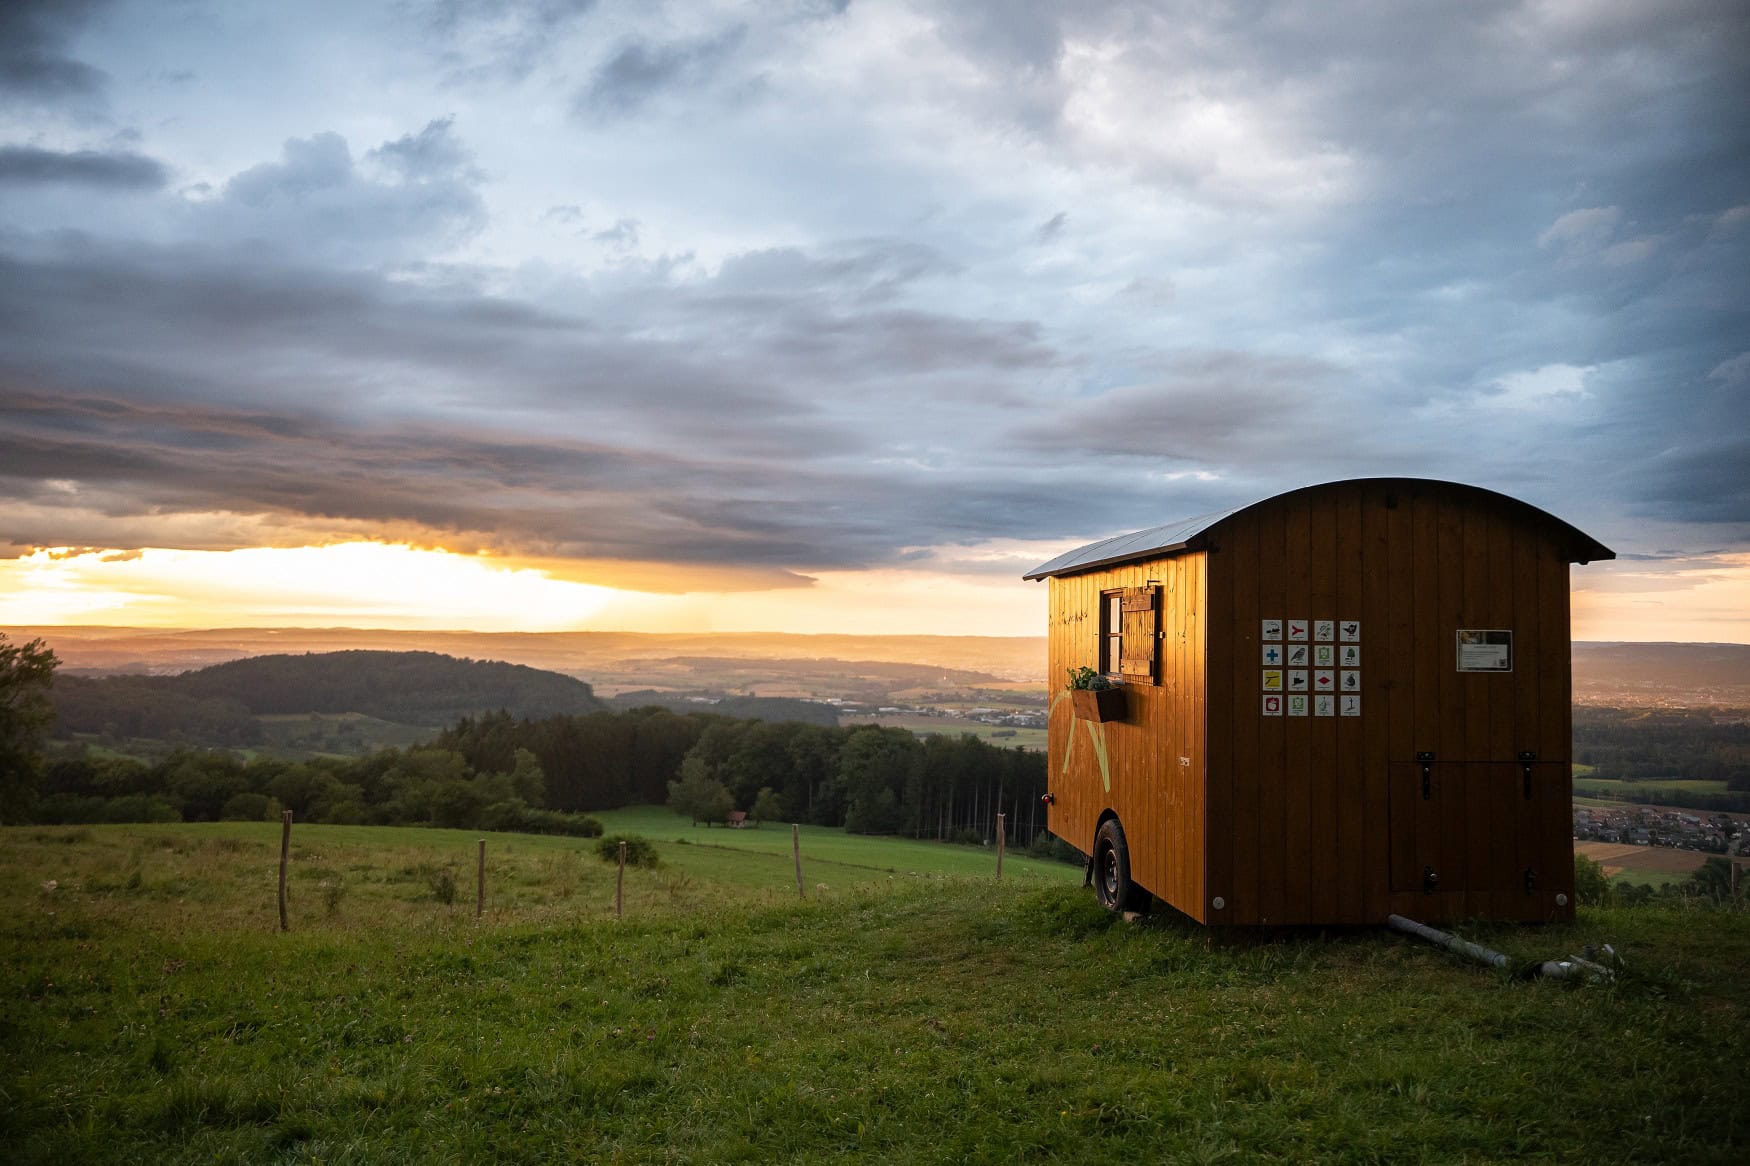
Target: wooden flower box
[[1098, 704]]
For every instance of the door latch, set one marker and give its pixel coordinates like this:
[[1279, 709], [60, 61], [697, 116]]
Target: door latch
[[1525, 760], [1427, 761]]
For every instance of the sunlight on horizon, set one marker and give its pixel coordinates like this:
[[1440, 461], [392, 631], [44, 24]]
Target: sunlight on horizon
[[386, 585], [398, 586]]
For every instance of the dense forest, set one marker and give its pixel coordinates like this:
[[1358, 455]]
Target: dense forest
[[120, 707], [503, 772], [216, 706], [1640, 744]]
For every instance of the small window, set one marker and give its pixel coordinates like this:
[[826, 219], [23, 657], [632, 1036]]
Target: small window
[[1111, 632]]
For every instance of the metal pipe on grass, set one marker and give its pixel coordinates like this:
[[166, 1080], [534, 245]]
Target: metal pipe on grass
[[1464, 947]]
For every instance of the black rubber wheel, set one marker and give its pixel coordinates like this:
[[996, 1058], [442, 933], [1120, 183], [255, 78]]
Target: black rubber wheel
[[1112, 885]]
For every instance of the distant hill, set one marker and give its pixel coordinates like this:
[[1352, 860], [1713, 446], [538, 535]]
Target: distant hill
[[414, 688], [1662, 674], [160, 650], [410, 688]]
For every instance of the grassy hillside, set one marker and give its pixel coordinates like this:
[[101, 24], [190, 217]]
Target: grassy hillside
[[150, 1012]]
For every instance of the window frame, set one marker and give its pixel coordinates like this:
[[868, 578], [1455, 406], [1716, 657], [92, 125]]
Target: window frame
[[1112, 633]]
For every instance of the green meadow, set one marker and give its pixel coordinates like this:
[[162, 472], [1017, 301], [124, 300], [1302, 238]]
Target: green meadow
[[1610, 788], [911, 1009]]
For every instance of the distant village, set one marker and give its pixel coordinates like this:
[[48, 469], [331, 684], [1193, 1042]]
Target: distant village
[[1662, 826]]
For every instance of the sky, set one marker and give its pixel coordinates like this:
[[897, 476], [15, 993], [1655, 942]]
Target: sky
[[828, 317]]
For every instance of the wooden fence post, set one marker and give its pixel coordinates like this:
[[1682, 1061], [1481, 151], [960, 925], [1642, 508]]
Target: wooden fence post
[[480, 883], [999, 848], [620, 885], [285, 856], [796, 852]]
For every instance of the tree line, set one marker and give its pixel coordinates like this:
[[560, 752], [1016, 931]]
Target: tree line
[[866, 778], [1651, 745], [503, 772]]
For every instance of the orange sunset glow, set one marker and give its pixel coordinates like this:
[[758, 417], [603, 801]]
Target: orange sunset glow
[[365, 584], [380, 585]]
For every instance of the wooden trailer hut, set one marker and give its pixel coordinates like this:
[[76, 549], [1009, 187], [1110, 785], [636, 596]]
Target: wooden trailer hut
[[1347, 701]]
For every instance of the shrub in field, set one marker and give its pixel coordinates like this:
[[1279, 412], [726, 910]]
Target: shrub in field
[[1591, 884], [443, 884], [1050, 846], [639, 851], [513, 814]]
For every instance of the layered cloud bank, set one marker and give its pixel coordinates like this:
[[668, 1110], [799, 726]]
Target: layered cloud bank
[[738, 297]]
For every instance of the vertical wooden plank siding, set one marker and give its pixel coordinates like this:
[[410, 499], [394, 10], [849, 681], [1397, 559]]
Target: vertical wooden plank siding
[[1321, 751], [1271, 846], [1350, 768], [1430, 651], [1482, 796], [1234, 573], [1153, 776], [1402, 671], [1196, 705], [1297, 820], [1217, 732], [1555, 750], [1502, 845], [1377, 691]]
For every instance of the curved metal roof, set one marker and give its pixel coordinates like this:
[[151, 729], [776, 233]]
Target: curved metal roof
[[1177, 536]]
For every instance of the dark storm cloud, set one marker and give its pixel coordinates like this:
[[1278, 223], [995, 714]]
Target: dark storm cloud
[[34, 61], [30, 166], [569, 499], [1207, 409], [708, 447], [640, 71]]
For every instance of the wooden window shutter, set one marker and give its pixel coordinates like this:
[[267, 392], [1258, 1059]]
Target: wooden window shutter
[[1141, 623]]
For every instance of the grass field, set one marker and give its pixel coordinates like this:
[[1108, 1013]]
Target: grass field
[[1602, 787], [936, 1018], [831, 854]]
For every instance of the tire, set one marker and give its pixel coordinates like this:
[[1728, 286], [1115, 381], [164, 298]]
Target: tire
[[1112, 885]]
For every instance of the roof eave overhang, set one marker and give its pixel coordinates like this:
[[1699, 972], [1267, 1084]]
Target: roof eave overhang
[[1117, 560]]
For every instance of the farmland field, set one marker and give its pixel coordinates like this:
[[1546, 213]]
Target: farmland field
[[151, 1011], [1654, 865], [1602, 787]]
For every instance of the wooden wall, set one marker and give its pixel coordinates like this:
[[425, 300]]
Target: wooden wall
[[1322, 819], [1154, 758]]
